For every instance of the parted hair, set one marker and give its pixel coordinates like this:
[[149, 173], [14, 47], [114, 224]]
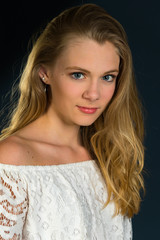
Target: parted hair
[[115, 139]]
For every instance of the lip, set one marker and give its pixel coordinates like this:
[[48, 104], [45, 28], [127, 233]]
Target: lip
[[87, 110]]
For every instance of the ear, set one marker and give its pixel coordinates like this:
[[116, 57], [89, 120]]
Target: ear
[[44, 74]]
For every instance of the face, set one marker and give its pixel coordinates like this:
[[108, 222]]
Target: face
[[83, 81]]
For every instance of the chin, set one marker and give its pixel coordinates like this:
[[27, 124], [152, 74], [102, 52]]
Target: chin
[[86, 123]]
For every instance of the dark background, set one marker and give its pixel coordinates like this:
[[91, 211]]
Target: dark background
[[141, 20]]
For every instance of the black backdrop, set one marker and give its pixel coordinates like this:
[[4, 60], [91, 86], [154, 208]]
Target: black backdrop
[[141, 21]]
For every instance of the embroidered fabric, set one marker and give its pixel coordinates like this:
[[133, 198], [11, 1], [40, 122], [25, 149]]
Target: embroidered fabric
[[58, 202]]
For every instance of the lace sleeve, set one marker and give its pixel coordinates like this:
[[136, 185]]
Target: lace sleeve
[[13, 205]]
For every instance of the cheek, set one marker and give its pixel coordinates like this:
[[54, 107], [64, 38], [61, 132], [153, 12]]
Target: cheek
[[107, 94], [65, 91], [71, 89]]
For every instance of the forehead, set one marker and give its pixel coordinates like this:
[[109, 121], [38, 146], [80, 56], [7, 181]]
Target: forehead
[[89, 54]]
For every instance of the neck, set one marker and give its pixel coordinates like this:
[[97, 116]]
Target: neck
[[58, 131]]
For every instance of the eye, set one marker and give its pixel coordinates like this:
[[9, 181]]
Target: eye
[[77, 75], [108, 78]]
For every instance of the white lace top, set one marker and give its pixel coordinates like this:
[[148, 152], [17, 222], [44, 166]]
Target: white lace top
[[58, 202]]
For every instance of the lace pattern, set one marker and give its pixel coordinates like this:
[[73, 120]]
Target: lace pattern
[[13, 205], [62, 202]]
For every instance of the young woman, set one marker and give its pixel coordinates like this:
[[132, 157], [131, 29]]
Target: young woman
[[72, 155]]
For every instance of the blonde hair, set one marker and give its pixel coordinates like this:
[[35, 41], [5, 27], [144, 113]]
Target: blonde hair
[[115, 139]]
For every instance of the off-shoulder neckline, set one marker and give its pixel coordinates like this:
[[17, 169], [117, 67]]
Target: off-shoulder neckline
[[64, 165]]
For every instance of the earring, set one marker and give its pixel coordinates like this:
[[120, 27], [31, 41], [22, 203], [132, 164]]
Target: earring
[[43, 79]]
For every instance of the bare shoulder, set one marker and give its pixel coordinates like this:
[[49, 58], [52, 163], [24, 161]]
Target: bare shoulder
[[12, 151]]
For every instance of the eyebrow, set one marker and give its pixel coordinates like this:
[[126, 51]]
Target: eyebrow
[[85, 70]]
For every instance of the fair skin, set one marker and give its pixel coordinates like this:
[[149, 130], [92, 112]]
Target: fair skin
[[82, 83]]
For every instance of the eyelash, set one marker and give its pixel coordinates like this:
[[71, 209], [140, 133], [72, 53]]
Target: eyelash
[[109, 75], [72, 74]]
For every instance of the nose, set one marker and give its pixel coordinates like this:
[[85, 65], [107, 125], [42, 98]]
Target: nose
[[92, 91]]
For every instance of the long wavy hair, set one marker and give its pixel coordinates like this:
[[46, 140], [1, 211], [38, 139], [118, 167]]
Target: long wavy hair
[[115, 138]]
